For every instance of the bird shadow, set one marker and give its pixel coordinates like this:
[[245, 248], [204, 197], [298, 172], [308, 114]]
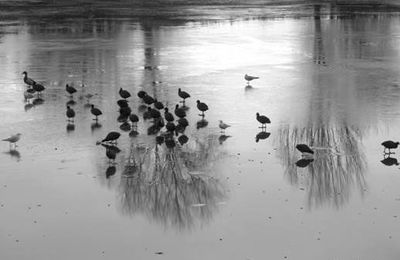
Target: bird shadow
[[304, 162], [37, 101], [389, 161], [110, 171], [222, 138], [94, 126], [70, 102], [70, 127]]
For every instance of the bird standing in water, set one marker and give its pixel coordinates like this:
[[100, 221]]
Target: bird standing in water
[[305, 149], [223, 126], [184, 95], [202, 107], [13, 139], [389, 145], [263, 120], [27, 80], [96, 112], [70, 89], [124, 93], [249, 78], [70, 114]]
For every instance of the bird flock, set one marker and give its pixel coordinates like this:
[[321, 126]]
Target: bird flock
[[168, 124]]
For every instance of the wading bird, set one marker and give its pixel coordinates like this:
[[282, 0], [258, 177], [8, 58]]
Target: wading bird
[[202, 107], [27, 80], [70, 114], [223, 126], [249, 78], [124, 93], [305, 149], [70, 89], [389, 145], [263, 120], [13, 139], [183, 94], [96, 112]]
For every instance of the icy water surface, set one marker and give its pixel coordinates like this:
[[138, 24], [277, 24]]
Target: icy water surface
[[328, 82]]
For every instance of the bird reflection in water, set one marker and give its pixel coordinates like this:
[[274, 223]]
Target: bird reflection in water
[[70, 102], [389, 161], [336, 167], [37, 101], [14, 154], [111, 170], [201, 123], [173, 184], [95, 125], [70, 127], [262, 136], [222, 138]]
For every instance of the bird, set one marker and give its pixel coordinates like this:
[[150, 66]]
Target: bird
[[183, 139], [70, 113], [202, 107], [183, 94], [159, 139], [158, 104], [263, 120], [134, 119], [27, 80], [223, 126], [38, 87], [183, 122], [141, 94], [148, 99], [124, 93], [168, 116], [303, 148], [389, 145], [249, 78], [96, 112], [13, 139], [170, 143], [170, 126], [122, 103], [70, 89], [179, 112], [111, 137], [125, 111]]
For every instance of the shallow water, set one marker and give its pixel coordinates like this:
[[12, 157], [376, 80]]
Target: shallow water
[[328, 82]]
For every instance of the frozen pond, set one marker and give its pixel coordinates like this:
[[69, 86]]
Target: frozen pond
[[330, 82]]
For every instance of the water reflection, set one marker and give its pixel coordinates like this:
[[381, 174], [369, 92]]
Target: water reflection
[[335, 170], [389, 161], [173, 186], [14, 154]]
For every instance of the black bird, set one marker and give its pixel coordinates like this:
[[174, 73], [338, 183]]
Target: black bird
[[303, 148], [111, 137], [122, 118], [125, 111], [180, 128], [302, 163], [179, 112], [70, 89], [263, 120], [96, 112], [124, 93], [168, 116], [170, 126], [122, 103], [158, 104], [147, 114], [170, 143], [202, 107], [38, 87], [70, 114], [183, 139], [262, 136], [155, 113], [389, 161], [148, 99], [183, 122], [27, 80], [183, 94], [125, 126], [134, 119], [141, 94], [389, 145]]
